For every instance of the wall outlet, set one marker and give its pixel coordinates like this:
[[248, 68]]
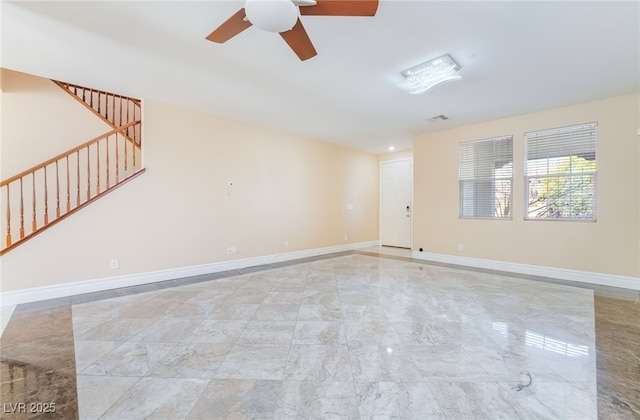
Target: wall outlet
[[346, 238], [232, 250], [286, 244], [349, 206], [460, 247], [114, 264]]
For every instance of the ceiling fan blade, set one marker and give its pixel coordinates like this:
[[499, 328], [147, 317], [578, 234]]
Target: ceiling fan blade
[[299, 41], [230, 28], [341, 8]]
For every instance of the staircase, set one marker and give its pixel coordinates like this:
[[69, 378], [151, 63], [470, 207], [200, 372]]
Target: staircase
[[47, 193], [115, 110]]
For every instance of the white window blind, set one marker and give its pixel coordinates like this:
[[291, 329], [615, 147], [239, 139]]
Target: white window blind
[[561, 173], [485, 178]]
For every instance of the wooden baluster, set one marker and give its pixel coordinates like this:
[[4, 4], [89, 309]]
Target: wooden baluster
[[88, 174], [68, 188], [106, 106], [129, 118], [107, 160], [99, 100], [34, 222], [84, 95], [134, 117], [125, 156], [134, 132], [46, 198], [21, 210], [98, 167], [117, 161], [133, 150], [57, 191], [91, 98], [8, 238], [78, 178], [138, 127]]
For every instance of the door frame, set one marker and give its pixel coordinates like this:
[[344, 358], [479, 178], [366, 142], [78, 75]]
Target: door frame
[[382, 162]]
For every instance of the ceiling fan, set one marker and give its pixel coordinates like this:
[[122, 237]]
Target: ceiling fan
[[282, 16]]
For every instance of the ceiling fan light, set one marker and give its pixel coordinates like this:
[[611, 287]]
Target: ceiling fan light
[[272, 15]]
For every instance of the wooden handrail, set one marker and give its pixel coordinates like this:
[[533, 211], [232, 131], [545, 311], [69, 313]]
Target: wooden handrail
[[68, 152], [95, 107], [13, 244], [99, 92], [87, 168]]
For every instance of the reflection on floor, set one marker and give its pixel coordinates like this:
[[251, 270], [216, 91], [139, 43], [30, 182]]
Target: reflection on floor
[[5, 316], [353, 335]]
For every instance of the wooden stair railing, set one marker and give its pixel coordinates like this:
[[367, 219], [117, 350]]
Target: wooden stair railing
[[45, 194], [115, 110]]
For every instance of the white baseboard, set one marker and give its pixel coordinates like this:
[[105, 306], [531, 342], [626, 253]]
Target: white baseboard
[[35, 294], [602, 279]]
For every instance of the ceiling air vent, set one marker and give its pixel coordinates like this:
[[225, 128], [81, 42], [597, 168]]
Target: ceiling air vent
[[437, 118]]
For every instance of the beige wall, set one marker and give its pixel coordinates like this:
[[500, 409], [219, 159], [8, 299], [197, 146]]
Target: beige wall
[[611, 245], [38, 121], [182, 212]]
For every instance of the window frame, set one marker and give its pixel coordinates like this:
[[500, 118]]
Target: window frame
[[493, 180], [559, 175]]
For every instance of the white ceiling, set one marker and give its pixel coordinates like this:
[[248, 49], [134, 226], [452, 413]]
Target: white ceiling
[[515, 57]]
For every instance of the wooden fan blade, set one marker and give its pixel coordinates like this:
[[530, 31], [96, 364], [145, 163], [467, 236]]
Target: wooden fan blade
[[341, 8], [230, 28], [299, 41]]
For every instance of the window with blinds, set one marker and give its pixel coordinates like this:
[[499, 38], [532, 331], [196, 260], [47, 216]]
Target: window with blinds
[[561, 173], [486, 177]]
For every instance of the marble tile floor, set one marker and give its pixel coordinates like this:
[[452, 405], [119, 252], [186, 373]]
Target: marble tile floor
[[5, 315], [349, 336]]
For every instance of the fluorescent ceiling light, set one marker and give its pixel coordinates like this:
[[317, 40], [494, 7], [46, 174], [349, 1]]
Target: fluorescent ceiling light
[[425, 76], [392, 148]]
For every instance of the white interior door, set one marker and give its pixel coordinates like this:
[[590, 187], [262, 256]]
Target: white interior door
[[396, 180]]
